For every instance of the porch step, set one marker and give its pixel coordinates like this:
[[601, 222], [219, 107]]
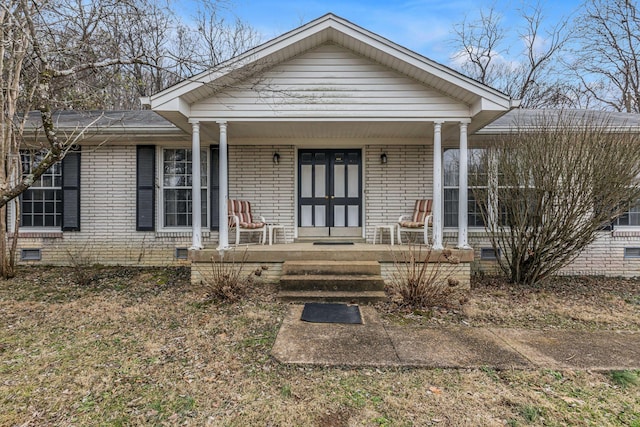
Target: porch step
[[326, 282], [337, 281], [368, 297], [331, 267]]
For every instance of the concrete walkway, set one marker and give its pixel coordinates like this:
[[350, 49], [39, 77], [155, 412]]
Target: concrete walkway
[[376, 344]]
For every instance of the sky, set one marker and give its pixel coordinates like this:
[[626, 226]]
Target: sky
[[424, 26]]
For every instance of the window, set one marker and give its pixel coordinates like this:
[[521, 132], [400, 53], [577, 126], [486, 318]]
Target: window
[[476, 169], [30, 255], [177, 187], [41, 204], [631, 217], [632, 252], [181, 253], [489, 254]]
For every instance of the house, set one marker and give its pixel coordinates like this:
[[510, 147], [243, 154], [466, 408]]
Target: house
[[329, 130]]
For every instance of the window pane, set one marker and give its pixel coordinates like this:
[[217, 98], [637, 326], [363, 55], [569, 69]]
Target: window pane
[[338, 181], [305, 180], [306, 216], [474, 213], [352, 172], [339, 216], [321, 214], [630, 217], [320, 179], [177, 181], [354, 216], [450, 161], [41, 203], [450, 207]]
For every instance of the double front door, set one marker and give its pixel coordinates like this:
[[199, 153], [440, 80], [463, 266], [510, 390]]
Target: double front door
[[329, 193]]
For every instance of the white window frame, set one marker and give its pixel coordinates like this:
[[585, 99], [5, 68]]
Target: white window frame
[[474, 228], [204, 185], [629, 227], [35, 186]]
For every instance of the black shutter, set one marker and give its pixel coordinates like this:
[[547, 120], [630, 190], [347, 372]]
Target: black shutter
[[71, 191], [145, 184], [214, 187]]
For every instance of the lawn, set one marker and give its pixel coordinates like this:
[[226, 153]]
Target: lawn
[[136, 346]]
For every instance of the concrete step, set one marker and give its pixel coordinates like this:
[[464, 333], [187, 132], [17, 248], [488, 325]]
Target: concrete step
[[324, 282], [369, 297], [331, 267]]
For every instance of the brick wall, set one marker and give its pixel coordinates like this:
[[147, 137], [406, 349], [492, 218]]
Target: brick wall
[[108, 209], [392, 189], [269, 187], [604, 257], [108, 219]]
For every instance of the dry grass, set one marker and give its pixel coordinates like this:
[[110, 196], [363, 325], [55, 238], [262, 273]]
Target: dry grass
[[140, 347]]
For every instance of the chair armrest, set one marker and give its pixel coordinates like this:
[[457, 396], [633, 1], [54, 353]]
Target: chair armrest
[[235, 222], [427, 220], [262, 219], [402, 217]]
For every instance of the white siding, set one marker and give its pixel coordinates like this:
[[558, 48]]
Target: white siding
[[326, 82]]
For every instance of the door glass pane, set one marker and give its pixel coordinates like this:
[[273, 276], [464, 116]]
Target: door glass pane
[[305, 180], [321, 216], [352, 173], [338, 216], [354, 216], [338, 181], [305, 216], [321, 191]]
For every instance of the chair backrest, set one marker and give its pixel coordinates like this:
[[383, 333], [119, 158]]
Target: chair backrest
[[421, 210], [240, 208]]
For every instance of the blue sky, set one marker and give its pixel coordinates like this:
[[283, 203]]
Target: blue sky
[[420, 25]]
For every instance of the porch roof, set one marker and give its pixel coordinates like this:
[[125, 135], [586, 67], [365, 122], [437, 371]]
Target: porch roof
[[482, 103]]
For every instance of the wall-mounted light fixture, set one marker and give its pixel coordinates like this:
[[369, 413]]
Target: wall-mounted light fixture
[[276, 158], [383, 158]]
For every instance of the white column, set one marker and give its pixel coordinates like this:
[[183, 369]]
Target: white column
[[437, 186], [196, 206], [463, 189], [223, 241]]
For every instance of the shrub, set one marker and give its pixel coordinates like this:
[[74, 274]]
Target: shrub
[[417, 283], [228, 281]]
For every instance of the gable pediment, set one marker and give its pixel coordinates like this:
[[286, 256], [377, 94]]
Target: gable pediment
[[329, 81], [330, 68]]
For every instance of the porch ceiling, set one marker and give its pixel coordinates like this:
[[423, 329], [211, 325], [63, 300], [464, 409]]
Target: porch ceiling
[[373, 132]]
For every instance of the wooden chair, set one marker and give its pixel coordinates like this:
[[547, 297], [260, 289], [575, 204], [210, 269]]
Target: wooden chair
[[241, 218], [419, 222]]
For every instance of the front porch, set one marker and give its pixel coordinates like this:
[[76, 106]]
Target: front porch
[[270, 259]]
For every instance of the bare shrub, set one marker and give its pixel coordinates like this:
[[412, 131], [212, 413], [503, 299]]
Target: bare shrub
[[228, 281], [81, 259], [417, 283]]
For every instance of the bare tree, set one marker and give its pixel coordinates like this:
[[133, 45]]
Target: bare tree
[[554, 181], [78, 54], [527, 73], [607, 56]]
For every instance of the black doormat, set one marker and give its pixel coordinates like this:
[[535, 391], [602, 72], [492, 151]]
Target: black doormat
[[331, 313], [333, 243]]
